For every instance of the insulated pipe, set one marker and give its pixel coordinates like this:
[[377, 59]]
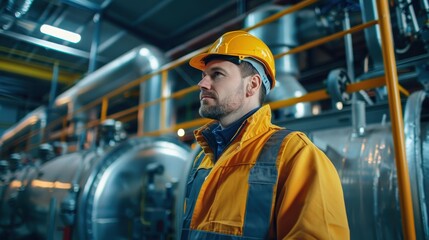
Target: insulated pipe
[[137, 62], [19, 8], [95, 43], [396, 119], [127, 68], [37, 115], [280, 40], [372, 35]]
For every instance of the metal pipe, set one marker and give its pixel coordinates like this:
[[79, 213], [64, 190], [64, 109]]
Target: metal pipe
[[54, 83], [425, 4], [163, 103], [51, 222], [278, 15], [95, 43], [396, 119], [349, 47]]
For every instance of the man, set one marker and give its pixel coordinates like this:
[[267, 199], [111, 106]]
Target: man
[[255, 180]]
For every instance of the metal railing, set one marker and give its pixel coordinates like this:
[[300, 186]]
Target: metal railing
[[390, 80]]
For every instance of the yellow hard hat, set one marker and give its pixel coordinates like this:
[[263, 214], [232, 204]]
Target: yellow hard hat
[[243, 45]]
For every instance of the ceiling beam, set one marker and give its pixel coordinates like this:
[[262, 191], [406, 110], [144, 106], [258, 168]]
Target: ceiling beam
[[46, 44], [84, 4]]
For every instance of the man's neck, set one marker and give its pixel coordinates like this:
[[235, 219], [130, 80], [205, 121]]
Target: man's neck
[[234, 116]]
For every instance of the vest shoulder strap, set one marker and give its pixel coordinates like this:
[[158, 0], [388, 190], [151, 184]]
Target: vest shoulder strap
[[262, 182]]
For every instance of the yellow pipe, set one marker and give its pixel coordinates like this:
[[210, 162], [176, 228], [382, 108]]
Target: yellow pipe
[[113, 93], [36, 71], [140, 119], [164, 77], [185, 91], [309, 97], [326, 39], [125, 112], [403, 90], [396, 119], [39, 58], [322, 94], [194, 123], [127, 118], [93, 123], [104, 106], [367, 84]]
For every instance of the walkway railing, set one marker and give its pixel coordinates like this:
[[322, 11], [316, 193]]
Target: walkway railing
[[390, 80]]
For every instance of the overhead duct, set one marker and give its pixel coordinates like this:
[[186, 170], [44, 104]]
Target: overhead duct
[[15, 9], [127, 68], [372, 35], [18, 7], [34, 120], [281, 36], [150, 91]]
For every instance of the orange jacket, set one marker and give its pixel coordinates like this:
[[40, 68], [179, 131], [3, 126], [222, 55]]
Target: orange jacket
[[307, 197]]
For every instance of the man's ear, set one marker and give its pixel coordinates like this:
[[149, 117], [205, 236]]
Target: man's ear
[[253, 85]]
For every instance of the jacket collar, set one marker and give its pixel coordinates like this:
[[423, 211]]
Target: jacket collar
[[255, 125]]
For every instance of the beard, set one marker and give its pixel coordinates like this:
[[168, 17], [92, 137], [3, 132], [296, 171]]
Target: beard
[[223, 107]]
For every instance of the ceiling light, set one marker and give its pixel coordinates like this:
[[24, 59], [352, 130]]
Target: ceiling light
[[60, 33]]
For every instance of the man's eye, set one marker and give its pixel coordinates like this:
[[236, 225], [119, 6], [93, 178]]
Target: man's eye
[[216, 75]]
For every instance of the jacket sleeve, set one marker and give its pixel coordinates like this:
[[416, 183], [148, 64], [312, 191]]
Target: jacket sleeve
[[309, 202]]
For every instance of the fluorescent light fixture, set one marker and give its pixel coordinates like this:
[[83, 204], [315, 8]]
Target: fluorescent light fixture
[[60, 33]]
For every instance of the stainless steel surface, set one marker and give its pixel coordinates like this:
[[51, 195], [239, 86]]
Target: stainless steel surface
[[112, 195], [368, 175], [367, 170], [372, 35], [358, 117], [416, 161], [32, 121], [128, 67], [151, 90], [14, 195]]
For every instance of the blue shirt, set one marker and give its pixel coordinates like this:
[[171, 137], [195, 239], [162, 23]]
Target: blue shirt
[[218, 138]]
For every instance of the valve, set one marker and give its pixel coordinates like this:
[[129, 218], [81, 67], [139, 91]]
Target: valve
[[337, 82]]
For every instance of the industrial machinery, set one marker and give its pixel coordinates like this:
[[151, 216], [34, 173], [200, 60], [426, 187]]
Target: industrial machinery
[[109, 187], [129, 190]]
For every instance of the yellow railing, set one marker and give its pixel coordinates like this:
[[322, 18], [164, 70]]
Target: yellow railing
[[396, 119], [390, 80]]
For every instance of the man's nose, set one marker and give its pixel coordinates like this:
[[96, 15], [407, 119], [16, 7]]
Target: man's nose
[[205, 82]]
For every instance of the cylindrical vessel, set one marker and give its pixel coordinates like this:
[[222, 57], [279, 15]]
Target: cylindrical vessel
[[132, 191]]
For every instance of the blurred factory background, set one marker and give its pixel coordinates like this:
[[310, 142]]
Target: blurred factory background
[[96, 135]]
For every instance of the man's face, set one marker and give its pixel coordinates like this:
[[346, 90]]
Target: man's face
[[222, 89]]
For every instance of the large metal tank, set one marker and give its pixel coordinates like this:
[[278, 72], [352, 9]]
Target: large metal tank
[[367, 170], [132, 191], [14, 181], [366, 165]]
